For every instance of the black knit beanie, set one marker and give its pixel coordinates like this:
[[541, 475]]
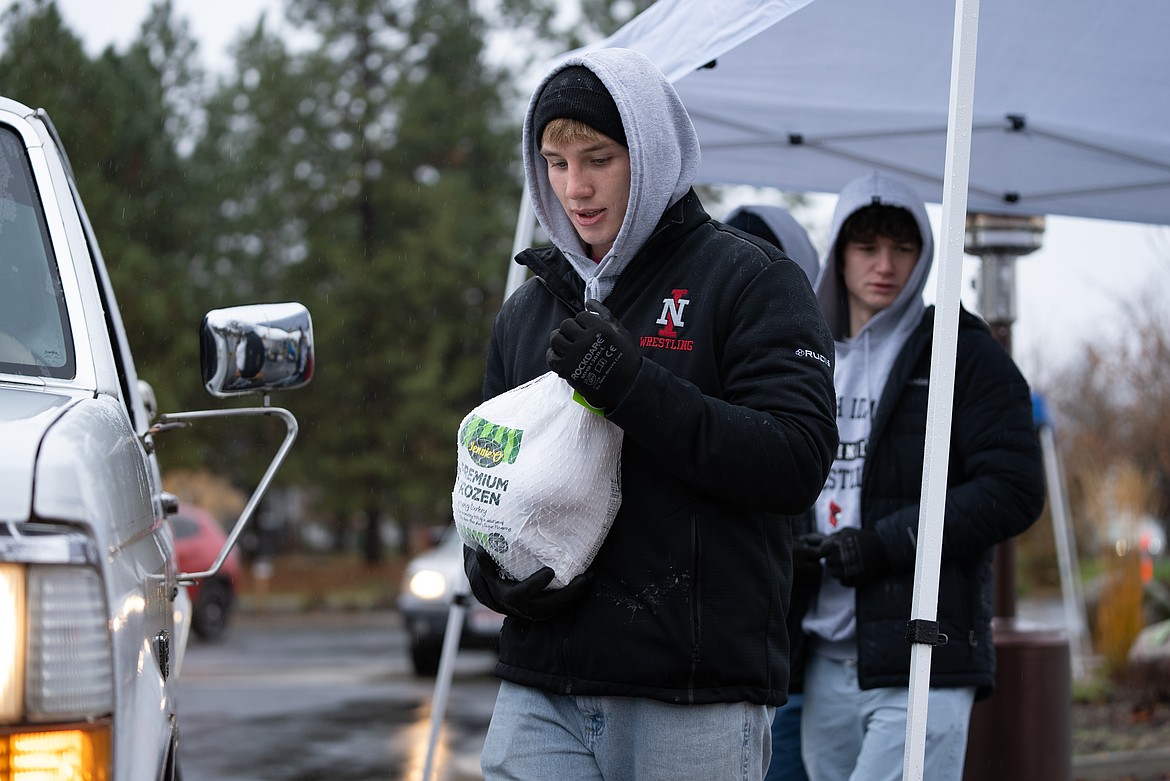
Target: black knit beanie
[[576, 93]]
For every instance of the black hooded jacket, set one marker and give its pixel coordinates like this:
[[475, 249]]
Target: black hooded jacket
[[995, 490], [728, 429]]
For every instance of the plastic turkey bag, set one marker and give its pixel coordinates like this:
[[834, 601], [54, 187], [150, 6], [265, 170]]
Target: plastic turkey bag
[[539, 479]]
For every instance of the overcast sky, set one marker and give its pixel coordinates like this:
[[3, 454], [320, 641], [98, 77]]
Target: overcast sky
[[1068, 292]]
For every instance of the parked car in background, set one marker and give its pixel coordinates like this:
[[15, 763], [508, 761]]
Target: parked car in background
[[93, 619], [199, 538], [428, 588]]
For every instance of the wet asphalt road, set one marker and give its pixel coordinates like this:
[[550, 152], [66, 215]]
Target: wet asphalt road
[[310, 697]]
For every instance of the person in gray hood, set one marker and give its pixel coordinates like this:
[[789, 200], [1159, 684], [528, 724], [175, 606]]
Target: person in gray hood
[[777, 225], [853, 654], [705, 345]]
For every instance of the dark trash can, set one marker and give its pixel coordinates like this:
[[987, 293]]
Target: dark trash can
[[1023, 732]]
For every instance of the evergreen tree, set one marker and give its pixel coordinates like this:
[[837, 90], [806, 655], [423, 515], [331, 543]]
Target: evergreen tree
[[374, 178], [117, 123]]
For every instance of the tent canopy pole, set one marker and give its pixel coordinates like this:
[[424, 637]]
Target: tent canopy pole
[[928, 562]]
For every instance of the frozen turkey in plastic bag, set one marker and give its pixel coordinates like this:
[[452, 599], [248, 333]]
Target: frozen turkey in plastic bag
[[539, 479]]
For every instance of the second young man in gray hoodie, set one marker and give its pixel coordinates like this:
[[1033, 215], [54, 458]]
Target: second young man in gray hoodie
[[856, 661]]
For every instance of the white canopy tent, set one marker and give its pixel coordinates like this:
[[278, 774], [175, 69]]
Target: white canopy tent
[[1070, 116]]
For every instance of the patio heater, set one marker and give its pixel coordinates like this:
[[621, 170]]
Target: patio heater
[[1023, 731], [998, 240]]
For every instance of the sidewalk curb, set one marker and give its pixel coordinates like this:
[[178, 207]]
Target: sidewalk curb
[[1121, 763]]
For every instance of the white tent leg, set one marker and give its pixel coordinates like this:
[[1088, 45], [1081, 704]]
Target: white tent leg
[[928, 561], [525, 227], [445, 673], [521, 240], [1072, 595]]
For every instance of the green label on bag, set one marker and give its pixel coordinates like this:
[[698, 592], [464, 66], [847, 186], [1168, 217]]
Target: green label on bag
[[577, 397], [488, 443]]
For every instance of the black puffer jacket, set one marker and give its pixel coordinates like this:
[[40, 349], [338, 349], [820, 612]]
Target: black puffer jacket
[[728, 428], [995, 490]]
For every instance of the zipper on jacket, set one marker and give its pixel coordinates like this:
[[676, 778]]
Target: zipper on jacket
[[568, 670], [696, 608]]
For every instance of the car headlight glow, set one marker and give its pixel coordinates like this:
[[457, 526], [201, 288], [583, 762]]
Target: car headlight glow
[[427, 584]]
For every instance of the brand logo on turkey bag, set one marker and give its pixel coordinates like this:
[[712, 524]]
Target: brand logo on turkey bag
[[671, 319], [488, 443]]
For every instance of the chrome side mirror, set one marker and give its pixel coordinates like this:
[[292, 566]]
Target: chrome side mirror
[[257, 348]]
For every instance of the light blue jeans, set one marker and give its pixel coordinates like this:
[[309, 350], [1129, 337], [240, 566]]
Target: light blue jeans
[[537, 736], [847, 733], [787, 764]]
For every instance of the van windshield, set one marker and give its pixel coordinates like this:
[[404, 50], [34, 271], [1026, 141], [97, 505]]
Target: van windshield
[[34, 323]]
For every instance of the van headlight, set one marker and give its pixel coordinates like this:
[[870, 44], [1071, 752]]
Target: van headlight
[[56, 673], [69, 672]]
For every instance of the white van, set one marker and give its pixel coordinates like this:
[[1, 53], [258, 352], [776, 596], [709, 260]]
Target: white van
[[94, 614]]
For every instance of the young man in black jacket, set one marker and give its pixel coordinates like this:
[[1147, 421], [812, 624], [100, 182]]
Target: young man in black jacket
[[857, 660], [667, 657]]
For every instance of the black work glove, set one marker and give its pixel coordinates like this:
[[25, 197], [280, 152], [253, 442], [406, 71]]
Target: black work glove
[[595, 354], [529, 598], [855, 556], [806, 560]]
